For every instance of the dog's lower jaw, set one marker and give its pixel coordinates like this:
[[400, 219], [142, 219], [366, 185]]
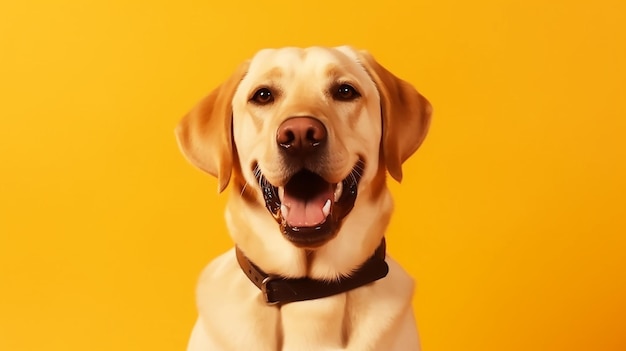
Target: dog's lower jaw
[[309, 237]]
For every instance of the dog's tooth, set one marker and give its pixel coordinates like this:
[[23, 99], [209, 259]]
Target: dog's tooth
[[284, 211], [326, 208], [338, 191]]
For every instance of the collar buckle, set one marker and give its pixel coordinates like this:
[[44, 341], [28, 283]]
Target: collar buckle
[[267, 290]]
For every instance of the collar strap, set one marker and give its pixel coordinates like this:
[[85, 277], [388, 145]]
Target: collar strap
[[280, 290]]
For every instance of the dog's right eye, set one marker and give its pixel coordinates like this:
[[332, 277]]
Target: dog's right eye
[[262, 96]]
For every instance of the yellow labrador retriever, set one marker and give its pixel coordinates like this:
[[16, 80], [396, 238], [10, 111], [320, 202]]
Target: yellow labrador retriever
[[305, 137]]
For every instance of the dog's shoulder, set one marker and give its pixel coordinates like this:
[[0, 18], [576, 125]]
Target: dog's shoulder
[[227, 300], [222, 283]]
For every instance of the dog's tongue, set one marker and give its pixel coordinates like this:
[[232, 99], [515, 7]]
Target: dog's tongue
[[306, 211]]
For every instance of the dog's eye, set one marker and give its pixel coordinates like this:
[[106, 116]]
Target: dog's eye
[[262, 96], [345, 92]]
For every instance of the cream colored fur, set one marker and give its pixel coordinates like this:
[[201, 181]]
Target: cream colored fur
[[383, 127]]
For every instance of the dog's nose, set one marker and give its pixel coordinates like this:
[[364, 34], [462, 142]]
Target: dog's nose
[[301, 135]]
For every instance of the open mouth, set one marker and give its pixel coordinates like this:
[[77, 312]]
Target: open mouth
[[308, 209]]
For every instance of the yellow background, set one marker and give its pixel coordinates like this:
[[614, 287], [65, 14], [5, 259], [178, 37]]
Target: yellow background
[[512, 215]]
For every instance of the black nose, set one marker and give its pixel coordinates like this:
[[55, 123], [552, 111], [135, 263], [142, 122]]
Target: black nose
[[301, 135]]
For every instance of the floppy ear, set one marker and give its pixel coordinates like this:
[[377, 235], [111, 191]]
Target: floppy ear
[[204, 135], [406, 115]]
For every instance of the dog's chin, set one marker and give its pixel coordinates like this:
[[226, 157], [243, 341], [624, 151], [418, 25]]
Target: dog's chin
[[308, 209]]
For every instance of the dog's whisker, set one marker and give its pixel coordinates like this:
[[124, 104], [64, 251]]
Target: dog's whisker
[[257, 173], [243, 188], [359, 167]]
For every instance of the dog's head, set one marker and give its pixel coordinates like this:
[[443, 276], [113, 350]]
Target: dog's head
[[305, 132]]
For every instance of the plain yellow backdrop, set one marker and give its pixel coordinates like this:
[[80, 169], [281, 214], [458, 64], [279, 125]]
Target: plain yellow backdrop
[[511, 217]]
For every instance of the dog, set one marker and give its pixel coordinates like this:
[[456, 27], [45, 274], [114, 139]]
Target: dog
[[305, 137]]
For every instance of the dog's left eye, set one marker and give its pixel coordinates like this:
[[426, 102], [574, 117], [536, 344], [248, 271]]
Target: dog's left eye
[[345, 92]]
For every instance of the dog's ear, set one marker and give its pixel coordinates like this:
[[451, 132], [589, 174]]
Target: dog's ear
[[204, 135], [406, 115]]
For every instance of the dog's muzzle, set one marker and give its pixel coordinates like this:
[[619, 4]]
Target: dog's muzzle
[[308, 209]]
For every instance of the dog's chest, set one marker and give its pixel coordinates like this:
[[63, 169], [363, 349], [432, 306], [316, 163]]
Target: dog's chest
[[242, 321], [235, 317], [318, 322], [235, 314]]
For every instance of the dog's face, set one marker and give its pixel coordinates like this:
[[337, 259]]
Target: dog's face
[[306, 132], [307, 125]]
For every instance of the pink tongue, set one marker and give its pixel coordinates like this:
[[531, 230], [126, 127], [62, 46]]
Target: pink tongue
[[306, 212]]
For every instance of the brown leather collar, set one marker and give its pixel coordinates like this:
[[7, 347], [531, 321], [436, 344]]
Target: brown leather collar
[[281, 290]]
